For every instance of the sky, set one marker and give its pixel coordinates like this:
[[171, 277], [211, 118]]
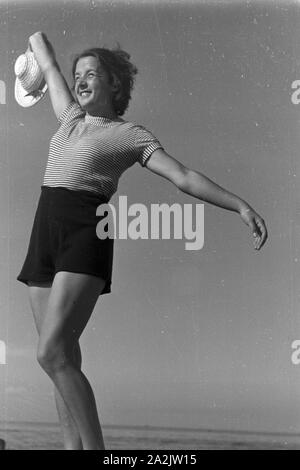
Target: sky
[[196, 339]]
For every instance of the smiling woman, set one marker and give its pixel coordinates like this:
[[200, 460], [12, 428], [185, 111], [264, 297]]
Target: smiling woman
[[67, 266], [114, 71], [93, 87]]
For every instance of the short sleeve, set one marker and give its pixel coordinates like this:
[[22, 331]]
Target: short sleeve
[[145, 144], [71, 112]]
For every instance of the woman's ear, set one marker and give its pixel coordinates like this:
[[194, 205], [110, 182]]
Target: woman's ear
[[116, 84]]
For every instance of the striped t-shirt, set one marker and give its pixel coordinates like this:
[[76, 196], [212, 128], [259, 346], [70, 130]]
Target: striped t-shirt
[[90, 153]]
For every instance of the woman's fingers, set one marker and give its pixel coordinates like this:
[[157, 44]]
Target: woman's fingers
[[260, 233], [257, 227]]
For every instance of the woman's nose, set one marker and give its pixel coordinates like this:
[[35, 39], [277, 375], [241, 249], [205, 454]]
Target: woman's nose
[[82, 83]]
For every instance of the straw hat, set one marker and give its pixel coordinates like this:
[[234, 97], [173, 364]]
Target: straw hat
[[30, 85]]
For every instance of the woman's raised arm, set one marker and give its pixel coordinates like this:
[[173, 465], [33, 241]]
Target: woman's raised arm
[[60, 93]]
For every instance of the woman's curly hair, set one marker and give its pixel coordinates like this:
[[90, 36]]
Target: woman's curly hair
[[119, 68]]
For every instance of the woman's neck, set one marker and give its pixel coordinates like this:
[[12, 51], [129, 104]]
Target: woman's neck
[[106, 113]]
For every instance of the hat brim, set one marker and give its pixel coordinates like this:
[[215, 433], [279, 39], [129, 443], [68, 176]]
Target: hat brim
[[26, 100]]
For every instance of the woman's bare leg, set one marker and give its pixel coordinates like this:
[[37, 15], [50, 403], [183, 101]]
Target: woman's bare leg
[[71, 302], [38, 296], [69, 428]]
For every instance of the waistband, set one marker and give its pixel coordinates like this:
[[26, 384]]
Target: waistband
[[73, 192]]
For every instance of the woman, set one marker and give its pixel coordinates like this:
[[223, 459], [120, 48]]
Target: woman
[[67, 267]]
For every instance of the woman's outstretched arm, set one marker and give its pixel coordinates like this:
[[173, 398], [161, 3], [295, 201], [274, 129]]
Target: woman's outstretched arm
[[198, 185], [60, 93]]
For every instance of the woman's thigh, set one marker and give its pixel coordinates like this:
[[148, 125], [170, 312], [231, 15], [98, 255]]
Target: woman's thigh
[[70, 304], [38, 296]]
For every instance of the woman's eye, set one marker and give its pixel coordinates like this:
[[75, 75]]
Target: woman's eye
[[89, 75]]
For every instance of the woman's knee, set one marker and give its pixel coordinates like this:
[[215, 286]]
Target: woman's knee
[[51, 359], [56, 355], [53, 356]]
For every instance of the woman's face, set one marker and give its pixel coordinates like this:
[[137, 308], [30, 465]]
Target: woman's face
[[92, 87]]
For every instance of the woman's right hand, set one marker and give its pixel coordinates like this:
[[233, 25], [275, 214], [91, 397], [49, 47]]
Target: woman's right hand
[[43, 51], [59, 91]]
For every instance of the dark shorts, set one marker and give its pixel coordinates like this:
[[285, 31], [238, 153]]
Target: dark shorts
[[64, 238]]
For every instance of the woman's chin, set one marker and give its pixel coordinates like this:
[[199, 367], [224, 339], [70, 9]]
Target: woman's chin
[[84, 105]]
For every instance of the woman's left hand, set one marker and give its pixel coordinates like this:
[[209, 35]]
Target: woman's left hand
[[257, 225]]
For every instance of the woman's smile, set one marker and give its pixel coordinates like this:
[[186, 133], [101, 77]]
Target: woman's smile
[[85, 93]]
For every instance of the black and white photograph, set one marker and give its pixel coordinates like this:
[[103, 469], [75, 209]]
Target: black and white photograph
[[149, 236]]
